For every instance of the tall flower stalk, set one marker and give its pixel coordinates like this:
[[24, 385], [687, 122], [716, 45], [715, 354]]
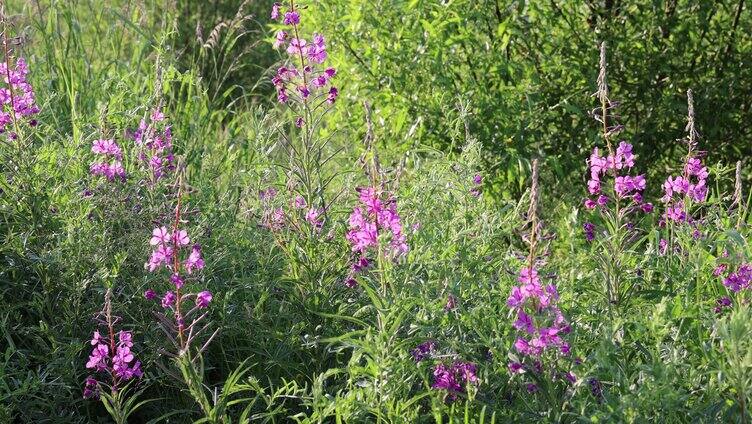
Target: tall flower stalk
[[540, 324], [615, 198], [114, 364], [304, 84], [690, 188], [183, 316], [17, 100]]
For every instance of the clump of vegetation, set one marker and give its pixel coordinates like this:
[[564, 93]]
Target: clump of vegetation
[[295, 251]]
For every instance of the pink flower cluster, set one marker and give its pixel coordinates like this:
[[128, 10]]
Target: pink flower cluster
[[111, 166], [167, 249], [165, 245], [115, 359], [625, 186], [692, 185], [304, 81], [540, 323], [740, 279], [17, 97], [374, 218], [453, 378], [155, 140]]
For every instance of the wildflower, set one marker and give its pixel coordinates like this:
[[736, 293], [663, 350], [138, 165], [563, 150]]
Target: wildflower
[[91, 388], [423, 350], [691, 186], [300, 202], [516, 367], [739, 280], [150, 294], [722, 303], [662, 246], [160, 236], [332, 95], [168, 300], [539, 323], [451, 378], [17, 99], [280, 38], [194, 260], [176, 280], [376, 217], [291, 17], [203, 299], [111, 167], [154, 139], [115, 360], [308, 80], [98, 357], [313, 216], [589, 228]]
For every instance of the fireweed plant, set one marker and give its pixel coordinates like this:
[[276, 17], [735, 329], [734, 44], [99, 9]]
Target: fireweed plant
[[16, 96], [304, 86], [114, 366], [183, 315], [541, 354], [615, 202]]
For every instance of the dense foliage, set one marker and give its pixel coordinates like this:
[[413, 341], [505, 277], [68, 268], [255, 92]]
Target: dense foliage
[[352, 211]]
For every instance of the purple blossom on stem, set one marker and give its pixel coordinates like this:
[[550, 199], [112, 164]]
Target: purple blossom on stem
[[173, 251], [453, 378], [111, 358], [539, 323], [17, 98], [376, 217], [154, 140], [301, 76], [740, 279]]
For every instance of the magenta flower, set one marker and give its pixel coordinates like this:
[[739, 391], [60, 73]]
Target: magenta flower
[[17, 99], [300, 86], [91, 388], [181, 238], [625, 186], [203, 299], [115, 360], [169, 299], [453, 378], [291, 17], [159, 236], [740, 279], [332, 95], [589, 228], [154, 140], [194, 260], [112, 168], [540, 323], [279, 39], [314, 217], [98, 357]]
